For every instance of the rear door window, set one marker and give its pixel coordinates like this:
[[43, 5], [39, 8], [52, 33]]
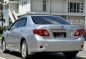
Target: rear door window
[[15, 25], [22, 22]]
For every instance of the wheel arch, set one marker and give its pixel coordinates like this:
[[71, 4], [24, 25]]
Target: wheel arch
[[22, 39], [2, 39]]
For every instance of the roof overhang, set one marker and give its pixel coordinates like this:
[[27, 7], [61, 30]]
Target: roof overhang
[[9, 1]]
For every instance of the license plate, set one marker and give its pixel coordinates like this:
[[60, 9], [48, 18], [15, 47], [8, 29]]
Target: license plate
[[59, 34]]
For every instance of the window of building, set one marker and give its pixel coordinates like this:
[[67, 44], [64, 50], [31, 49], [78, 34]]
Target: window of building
[[24, 2], [75, 7], [44, 5]]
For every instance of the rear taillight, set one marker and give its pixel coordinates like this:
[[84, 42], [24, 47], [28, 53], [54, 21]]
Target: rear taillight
[[41, 32], [83, 31], [78, 32]]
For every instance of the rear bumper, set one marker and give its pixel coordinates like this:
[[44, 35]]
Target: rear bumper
[[59, 45]]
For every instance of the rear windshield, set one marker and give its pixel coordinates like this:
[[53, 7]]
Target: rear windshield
[[48, 20]]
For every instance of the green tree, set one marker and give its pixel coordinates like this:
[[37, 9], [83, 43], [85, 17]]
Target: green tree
[[1, 0]]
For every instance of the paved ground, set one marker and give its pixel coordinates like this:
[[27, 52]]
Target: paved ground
[[15, 55]]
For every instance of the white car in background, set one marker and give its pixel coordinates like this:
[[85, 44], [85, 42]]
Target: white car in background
[[43, 33]]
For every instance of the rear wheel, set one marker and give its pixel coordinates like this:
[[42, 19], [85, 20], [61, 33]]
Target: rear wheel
[[24, 50], [70, 55]]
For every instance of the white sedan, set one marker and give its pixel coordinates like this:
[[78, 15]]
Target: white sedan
[[43, 33]]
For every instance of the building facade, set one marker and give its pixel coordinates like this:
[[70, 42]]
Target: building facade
[[72, 10]]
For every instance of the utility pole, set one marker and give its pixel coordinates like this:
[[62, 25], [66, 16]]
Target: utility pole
[[1, 9]]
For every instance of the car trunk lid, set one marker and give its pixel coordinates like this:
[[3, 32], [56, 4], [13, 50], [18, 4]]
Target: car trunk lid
[[60, 31]]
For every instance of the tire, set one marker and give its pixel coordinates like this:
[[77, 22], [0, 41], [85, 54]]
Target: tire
[[70, 55], [24, 50], [4, 46]]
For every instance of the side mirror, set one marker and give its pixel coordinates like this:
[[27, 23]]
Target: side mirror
[[7, 28]]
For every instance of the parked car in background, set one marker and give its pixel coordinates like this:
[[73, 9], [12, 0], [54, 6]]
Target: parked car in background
[[43, 33]]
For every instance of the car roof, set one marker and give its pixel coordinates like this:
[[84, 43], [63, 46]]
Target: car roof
[[38, 15]]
